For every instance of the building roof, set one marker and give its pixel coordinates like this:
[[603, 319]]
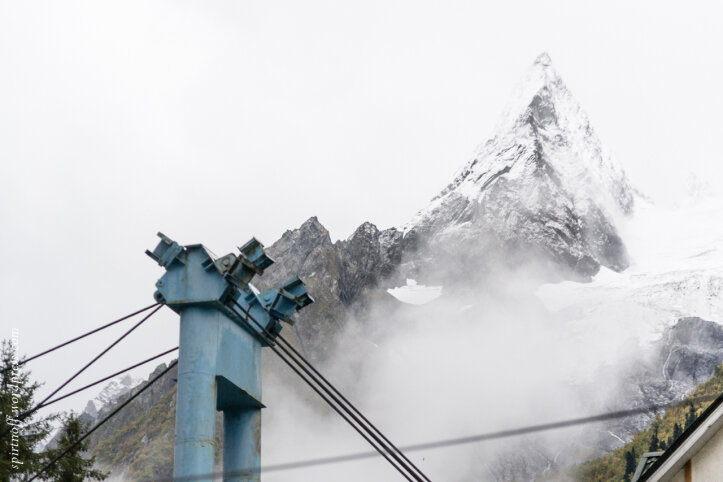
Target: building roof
[[687, 445], [646, 461]]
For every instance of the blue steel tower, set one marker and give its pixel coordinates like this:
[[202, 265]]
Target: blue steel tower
[[219, 361]]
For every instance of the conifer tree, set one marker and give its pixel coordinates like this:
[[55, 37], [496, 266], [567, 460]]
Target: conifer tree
[[72, 467], [654, 441], [690, 417], [21, 438], [677, 430], [630, 464]]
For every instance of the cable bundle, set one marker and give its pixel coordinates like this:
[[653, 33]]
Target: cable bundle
[[335, 399]]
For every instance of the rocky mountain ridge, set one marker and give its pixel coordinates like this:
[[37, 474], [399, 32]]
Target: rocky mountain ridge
[[110, 393], [541, 193]]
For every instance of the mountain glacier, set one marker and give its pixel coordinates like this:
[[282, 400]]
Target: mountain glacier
[[676, 272]]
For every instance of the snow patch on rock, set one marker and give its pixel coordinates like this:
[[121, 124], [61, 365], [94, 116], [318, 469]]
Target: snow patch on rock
[[415, 294], [110, 392]]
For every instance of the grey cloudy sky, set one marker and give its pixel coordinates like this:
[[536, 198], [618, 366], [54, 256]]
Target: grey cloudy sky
[[216, 121]]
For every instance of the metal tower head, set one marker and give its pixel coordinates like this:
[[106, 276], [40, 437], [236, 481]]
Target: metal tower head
[[194, 275]]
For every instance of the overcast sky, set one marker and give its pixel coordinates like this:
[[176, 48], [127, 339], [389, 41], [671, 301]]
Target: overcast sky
[[216, 121]]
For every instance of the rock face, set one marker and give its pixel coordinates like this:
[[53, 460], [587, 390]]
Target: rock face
[[686, 356], [339, 275], [308, 252], [110, 392], [368, 256], [691, 351]]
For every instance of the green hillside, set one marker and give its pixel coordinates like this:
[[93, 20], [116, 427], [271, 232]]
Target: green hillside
[[146, 445], [143, 449], [620, 464]]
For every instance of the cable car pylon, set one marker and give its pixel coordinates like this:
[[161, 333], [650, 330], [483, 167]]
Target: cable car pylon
[[219, 361]]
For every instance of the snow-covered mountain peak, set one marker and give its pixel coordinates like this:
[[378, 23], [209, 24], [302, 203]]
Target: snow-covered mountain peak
[[544, 124], [543, 59], [542, 181], [540, 81], [543, 110]]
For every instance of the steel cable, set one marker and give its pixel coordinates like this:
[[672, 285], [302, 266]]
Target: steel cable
[[37, 407], [384, 450], [457, 441], [343, 398], [352, 407], [119, 372], [107, 325]]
